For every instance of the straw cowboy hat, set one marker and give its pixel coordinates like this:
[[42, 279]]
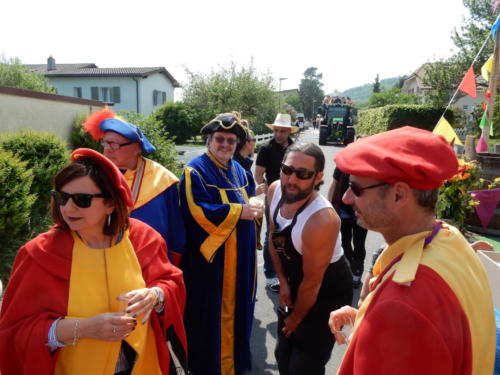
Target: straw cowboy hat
[[283, 120]]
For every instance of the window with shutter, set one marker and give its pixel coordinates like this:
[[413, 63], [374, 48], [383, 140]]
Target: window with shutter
[[164, 97], [155, 97], [94, 93], [115, 95]]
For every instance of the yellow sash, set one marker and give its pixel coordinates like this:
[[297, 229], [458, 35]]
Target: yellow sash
[[155, 179], [98, 276]]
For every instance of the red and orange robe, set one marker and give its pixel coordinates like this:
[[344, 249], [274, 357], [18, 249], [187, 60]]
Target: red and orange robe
[[430, 311], [55, 275]]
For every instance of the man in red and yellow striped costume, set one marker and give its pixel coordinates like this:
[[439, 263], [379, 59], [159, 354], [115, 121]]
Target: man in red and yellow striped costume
[[430, 309]]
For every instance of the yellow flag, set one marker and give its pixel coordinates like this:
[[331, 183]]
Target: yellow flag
[[444, 128], [487, 68]]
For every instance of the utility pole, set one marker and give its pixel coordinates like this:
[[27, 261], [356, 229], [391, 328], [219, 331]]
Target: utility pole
[[312, 110], [279, 93]]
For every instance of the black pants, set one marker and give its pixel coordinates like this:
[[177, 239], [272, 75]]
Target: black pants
[[308, 349], [352, 232]]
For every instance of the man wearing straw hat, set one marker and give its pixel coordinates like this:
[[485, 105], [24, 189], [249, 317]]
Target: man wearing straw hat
[[268, 165]]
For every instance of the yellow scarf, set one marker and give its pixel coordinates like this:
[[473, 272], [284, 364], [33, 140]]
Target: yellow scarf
[[97, 278]]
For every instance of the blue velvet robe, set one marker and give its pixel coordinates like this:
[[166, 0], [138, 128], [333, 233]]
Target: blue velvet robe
[[158, 206], [219, 265]]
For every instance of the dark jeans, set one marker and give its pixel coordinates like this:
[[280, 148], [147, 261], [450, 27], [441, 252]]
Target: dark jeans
[[308, 349], [352, 232]]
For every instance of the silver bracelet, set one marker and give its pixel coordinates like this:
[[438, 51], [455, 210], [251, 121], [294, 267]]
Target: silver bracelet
[[75, 332]]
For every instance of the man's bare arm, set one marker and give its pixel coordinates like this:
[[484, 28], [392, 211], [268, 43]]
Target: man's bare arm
[[318, 242], [259, 174]]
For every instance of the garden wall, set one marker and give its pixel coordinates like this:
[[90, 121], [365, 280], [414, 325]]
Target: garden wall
[[25, 109]]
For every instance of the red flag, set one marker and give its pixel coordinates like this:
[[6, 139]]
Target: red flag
[[468, 84]]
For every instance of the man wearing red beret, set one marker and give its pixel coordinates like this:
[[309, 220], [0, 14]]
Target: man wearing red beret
[[430, 308]]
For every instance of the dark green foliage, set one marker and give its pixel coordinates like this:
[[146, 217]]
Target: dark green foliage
[[165, 153], [232, 88], [376, 85], [179, 120], [377, 120], [45, 154], [15, 207], [81, 139], [311, 91], [14, 74]]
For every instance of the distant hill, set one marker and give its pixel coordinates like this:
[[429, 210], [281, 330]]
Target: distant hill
[[361, 94]]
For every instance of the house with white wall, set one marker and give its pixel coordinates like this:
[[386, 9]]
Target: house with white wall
[[414, 84], [135, 89]]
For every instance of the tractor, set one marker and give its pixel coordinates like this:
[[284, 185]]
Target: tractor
[[337, 124]]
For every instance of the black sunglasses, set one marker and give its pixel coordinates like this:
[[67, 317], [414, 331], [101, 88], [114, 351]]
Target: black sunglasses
[[301, 173], [229, 141], [356, 190], [80, 199]]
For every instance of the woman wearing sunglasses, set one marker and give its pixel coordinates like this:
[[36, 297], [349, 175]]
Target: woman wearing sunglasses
[[96, 294]]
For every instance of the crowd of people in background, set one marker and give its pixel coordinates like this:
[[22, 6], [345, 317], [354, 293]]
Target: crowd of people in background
[[144, 273]]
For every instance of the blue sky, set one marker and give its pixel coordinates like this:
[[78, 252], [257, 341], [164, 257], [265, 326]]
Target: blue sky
[[350, 41]]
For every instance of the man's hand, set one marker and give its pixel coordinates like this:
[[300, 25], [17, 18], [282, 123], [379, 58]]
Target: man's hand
[[285, 298], [250, 212], [344, 316], [291, 324]]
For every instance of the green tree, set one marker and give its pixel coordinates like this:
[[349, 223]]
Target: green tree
[[294, 101], [376, 85], [445, 75], [179, 121], [15, 74], [310, 91], [392, 96], [232, 88]]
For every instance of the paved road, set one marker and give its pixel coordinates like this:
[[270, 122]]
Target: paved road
[[264, 328]]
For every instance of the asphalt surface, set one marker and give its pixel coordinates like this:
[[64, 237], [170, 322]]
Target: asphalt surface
[[264, 328]]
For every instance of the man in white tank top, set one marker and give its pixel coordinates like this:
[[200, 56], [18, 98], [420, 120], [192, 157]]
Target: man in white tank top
[[306, 251]]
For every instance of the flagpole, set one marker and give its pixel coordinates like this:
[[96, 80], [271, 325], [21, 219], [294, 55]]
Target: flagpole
[[495, 74]]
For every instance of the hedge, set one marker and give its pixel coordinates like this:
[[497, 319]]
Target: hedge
[[15, 208], [377, 120], [45, 154]]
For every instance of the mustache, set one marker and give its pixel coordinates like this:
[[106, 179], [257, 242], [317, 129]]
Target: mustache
[[291, 186]]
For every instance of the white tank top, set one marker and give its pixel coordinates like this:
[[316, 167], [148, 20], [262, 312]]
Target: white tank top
[[317, 204]]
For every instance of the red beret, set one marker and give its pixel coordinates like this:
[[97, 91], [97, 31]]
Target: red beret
[[109, 168], [420, 158]]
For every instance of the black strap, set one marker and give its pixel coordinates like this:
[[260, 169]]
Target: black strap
[[294, 220]]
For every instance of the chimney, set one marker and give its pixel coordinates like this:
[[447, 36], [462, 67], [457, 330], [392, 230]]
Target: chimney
[[51, 63]]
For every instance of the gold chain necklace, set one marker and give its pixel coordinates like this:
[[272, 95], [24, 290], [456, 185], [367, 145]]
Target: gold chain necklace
[[233, 186]]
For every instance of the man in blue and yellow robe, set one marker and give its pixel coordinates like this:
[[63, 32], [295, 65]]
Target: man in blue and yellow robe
[[219, 265]]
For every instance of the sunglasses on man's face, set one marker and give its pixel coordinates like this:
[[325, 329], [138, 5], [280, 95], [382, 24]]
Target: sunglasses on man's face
[[82, 200], [301, 173], [114, 145], [357, 191], [229, 141]]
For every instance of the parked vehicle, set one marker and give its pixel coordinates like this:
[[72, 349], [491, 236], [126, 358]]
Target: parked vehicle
[[337, 125]]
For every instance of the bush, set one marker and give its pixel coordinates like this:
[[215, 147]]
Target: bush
[[377, 120], [81, 139], [165, 153], [179, 120], [15, 208], [45, 154]]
